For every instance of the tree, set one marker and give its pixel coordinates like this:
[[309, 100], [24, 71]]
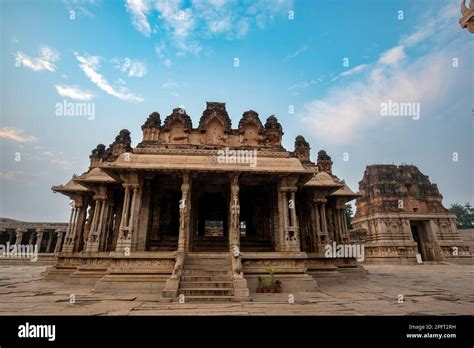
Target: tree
[[464, 214], [349, 214]]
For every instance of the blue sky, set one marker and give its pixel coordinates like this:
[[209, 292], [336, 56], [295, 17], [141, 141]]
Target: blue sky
[[134, 57]]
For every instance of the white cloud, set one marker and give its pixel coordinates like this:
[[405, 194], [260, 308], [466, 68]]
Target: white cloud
[[356, 70], [346, 112], [160, 49], [17, 135], [9, 175], [393, 55], [137, 69], [90, 66], [73, 92], [179, 21], [45, 60], [186, 22], [167, 63], [64, 164], [134, 68], [139, 9]]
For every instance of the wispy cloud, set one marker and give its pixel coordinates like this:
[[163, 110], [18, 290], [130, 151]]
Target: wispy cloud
[[393, 55], [185, 23], [85, 7], [134, 68], [17, 135], [356, 70], [45, 60], [62, 163], [73, 92], [139, 9], [297, 87], [345, 113], [296, 53], [90, 66], [9, 175], [170, 84]]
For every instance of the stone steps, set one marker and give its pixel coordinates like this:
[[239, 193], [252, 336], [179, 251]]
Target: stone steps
[[224, 284], [207, 299], [205, 273], [203, 278], [207, 277], [193, 292]]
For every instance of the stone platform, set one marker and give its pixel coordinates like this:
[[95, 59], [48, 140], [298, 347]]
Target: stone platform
[[431, 289]]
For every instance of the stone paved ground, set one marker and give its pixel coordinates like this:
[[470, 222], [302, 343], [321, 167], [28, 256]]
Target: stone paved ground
[[427, 289]]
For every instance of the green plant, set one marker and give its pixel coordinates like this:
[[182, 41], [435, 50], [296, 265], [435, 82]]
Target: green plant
[[271, 271]]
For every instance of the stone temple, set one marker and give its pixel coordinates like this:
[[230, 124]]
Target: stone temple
[[203, 212], [402, 214]]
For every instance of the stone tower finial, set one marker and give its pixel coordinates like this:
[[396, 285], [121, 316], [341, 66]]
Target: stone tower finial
[[121, 144], [302, 149], [324, 162], [152, 127], [97, 155]]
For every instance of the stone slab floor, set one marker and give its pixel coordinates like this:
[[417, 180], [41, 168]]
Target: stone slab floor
[[441, 289]]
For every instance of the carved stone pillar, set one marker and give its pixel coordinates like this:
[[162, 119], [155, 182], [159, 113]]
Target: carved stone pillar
[[39, 239], [59, 241], [291, 237], [234, 214], [50, 240], [19, 236], [126, 230], [324, 223], [93, 240], [68, 246], [184, 213]]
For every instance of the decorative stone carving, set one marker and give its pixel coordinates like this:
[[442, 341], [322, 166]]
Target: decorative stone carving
[[324, 162], [217, 111], [121, 144], [302, 149], [97, 155]]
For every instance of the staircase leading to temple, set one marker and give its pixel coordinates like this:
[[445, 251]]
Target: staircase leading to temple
[[207, 277]]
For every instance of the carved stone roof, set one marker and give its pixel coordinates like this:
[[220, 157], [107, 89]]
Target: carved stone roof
[[272, 124], [207, 163], [346, 192], [385, 186], [153, 121], [323, 179], [71, 187], [95, 175], [250, 117], [217, 110], [181, 115]]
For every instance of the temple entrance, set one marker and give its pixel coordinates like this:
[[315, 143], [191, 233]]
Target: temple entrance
[[257, 208], [164, 217], [210, 217], [422, 237]]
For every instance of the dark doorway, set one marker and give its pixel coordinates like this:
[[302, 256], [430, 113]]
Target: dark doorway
[[421, 235], [163, 224], [212, 222], [256, 211]]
